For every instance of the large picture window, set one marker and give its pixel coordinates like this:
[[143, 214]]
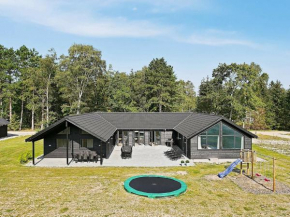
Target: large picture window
[[231, 138], [209, 139], [220, 136]]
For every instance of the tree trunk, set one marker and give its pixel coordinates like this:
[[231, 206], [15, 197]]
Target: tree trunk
[[32, 113], [160, 107], [21, 114], [47, 101], [10, 109], [42, 113], [79, 102], [32, 118]]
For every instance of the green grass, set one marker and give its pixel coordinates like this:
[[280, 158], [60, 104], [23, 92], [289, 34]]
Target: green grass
[[28, 191]]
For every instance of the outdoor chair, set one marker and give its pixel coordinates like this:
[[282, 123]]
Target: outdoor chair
[[91, 156], [126, 152], [82, 157], [77, 157]]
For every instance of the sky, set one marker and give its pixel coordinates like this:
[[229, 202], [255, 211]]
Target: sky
[[193, 36]]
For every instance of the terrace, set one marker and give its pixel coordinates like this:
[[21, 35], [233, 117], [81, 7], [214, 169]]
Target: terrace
[[142, 156]]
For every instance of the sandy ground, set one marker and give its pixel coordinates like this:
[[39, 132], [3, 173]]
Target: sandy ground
[[14, 134], [281, 134]]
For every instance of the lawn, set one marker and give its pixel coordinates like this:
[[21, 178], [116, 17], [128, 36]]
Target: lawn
[[99, 191]]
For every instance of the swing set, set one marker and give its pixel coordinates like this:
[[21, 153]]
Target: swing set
[[250, 157]]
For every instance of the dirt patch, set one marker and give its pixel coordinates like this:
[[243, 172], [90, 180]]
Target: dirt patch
[[212, 178], [181, 173], [258, 185]]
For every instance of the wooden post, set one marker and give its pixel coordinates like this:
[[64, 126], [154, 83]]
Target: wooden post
[[67, 143], [252, 161], [101, 155], [274, 174], [241, 164], [33, 153]]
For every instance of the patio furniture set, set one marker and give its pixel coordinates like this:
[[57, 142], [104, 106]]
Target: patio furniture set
[[86, 156]]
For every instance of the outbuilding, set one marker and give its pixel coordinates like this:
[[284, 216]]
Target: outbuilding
[[3, 127]]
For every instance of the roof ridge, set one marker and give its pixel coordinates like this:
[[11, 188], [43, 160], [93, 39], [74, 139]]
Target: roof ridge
[[183, 120], [107, 121]]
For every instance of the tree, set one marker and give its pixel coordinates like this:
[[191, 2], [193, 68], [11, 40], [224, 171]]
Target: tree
[[233, 91], [9, 76], [161, 86], [276, 105], [48, 69], [76, 71], [187, 96]]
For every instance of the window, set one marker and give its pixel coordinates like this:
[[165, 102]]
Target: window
[[88, 143], [209, 139], [84, 132], [231, 138], [61, 143], [157, 137], [67, 130]]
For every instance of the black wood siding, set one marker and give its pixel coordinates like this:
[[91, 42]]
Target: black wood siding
[[218, 153], [3, 131], [75, 138]]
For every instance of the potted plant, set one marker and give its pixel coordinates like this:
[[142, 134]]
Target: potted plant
[[186, 162], [181, 162]]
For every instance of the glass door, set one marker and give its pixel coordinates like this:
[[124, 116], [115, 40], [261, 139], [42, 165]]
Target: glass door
[[141, 138]]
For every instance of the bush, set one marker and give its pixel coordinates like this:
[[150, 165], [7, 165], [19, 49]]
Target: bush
[[182, 161], [187, 161], [25, 157]]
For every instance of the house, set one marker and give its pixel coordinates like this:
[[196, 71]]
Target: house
[[198, 135], [3, 127]]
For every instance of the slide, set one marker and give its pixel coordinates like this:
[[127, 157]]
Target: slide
[[229, 169]]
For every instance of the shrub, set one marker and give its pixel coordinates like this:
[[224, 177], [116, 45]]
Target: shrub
[[25, 157], [29, 156], [182, 161], [187, 161]]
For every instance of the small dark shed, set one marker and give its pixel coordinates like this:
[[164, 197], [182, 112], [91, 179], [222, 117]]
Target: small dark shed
[[3, 127]]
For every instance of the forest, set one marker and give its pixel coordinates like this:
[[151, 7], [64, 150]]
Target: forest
[[37, 90]]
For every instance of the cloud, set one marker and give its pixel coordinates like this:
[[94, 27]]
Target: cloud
[[78, 19], [78, 22], [215, 37]]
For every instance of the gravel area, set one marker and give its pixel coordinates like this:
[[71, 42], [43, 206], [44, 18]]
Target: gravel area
[[259, 185]]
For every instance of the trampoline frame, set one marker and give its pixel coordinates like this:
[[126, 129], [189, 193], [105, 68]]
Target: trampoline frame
[[175, 193]]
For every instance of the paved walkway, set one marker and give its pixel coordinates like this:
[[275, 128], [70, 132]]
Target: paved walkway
[[142, 156], [14, 134]]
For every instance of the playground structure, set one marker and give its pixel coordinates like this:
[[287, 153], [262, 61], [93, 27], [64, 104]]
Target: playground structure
[[249, 157]]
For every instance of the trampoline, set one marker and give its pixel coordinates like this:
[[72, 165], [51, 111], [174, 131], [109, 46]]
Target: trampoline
[[154, 186]]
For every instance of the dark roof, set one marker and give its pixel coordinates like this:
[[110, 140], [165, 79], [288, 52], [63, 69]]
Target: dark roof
[[144, 120], [92, 123], [3, 122], [104, 124], [198, 122]]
